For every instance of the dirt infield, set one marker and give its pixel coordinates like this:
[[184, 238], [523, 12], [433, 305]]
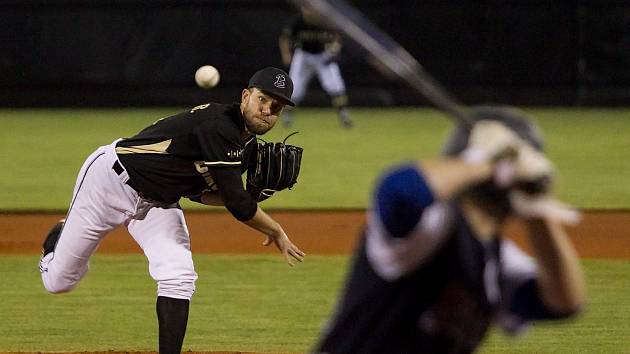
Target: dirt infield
[[602, 234]]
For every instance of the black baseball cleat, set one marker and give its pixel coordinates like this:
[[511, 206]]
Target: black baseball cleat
[[53, 236]]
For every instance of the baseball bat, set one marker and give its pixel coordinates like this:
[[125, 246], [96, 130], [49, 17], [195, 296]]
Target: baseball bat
[[346, 19]]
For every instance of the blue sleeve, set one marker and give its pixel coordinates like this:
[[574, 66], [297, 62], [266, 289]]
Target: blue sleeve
[[401, 196]]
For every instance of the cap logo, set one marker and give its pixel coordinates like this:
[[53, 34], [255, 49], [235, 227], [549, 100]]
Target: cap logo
[[280, 81]]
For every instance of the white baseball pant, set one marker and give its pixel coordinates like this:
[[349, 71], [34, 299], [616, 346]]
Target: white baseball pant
[[304, 65], [103, 201]]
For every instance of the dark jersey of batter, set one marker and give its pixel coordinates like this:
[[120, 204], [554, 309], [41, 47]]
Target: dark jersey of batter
[[309, 37], [187, 153], [444, 305]]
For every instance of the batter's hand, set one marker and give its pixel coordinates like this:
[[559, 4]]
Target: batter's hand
[[491, 141], [542, 206], [531, 169], [284, 245]]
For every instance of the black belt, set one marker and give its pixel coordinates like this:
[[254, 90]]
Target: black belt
[[117, 167]]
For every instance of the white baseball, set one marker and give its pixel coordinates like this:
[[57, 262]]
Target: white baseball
[[207, 76]]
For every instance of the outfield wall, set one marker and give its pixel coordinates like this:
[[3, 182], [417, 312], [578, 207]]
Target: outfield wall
[[139, 53]]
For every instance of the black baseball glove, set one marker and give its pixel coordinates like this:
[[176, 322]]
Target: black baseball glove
[[272, 167]]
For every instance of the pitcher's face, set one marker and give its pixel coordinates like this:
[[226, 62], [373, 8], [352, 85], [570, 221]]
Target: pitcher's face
[[260, 110]]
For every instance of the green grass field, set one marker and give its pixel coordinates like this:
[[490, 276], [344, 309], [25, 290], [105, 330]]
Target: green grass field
[[257, 303], [42, 151]]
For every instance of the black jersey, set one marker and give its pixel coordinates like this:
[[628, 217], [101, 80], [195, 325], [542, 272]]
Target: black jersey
[[440, 308], [308, 37], [173, 157], [423, 282]]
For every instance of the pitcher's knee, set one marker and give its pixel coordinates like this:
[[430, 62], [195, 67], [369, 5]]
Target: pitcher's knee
[[57, 286], [177, 289], [57, 283]]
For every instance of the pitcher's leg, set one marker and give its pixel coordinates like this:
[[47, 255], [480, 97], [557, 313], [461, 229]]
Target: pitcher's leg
[[172, 317], [163, 236], [98, 206], [68, 263]]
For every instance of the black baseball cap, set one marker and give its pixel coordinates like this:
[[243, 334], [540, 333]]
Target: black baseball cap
[[274, 82]]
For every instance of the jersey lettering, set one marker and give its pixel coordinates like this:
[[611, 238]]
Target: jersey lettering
[[201, 167], [235, 154], [203, 106]]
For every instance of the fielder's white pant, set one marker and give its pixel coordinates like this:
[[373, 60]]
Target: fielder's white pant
[[103, 201], [304, 65]]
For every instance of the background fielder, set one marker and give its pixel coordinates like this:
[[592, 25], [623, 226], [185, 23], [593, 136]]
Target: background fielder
[[137, 182], [311, 49]]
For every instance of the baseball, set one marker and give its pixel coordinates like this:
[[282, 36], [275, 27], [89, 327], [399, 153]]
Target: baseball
[[207, 76]]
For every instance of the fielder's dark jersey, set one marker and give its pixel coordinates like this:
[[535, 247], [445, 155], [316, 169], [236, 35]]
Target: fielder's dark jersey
[[309, 37], [185, 154], [422, 282]]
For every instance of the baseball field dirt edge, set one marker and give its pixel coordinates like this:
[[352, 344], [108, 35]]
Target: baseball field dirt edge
[[601, 234]]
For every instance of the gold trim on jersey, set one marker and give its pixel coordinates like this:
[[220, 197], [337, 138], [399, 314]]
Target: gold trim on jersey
[[157, 148], [202, 168], [222, 163]]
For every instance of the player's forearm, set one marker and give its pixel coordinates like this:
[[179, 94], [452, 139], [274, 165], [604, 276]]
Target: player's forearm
[[561, 280], [264, 223], [233, 196], [212, 198], [448, 178]]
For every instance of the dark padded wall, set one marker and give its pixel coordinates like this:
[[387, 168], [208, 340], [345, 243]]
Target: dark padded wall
[[132, 52]]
